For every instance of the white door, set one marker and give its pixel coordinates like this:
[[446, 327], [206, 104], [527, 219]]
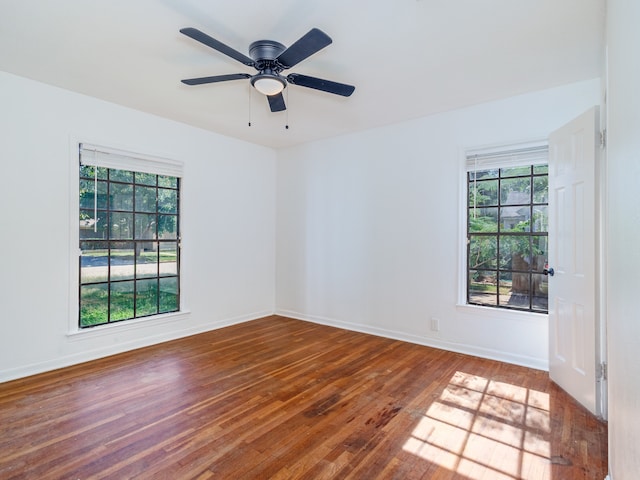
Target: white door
[[572, 255]]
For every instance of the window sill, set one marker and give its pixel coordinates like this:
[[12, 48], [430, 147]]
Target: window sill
[[128, 325], [490, 312]]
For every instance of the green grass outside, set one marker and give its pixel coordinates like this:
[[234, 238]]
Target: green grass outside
[[94, 304], [488, 288]]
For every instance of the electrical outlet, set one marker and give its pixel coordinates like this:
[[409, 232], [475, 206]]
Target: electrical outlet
[[435, 324]]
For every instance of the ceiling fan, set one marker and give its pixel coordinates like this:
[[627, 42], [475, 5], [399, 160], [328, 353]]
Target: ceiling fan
[[270, 58]]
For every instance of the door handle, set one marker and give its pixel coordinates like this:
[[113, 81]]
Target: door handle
[[548, 271]]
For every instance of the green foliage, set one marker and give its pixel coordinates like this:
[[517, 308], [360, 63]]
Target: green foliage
[[482, 224], [501, 246], [482, 252]]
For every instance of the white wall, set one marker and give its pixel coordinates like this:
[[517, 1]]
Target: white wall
[[228, 225], [369, 229], [623, 233]]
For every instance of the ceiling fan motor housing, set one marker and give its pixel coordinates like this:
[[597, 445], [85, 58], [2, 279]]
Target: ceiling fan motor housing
[[265, 52]]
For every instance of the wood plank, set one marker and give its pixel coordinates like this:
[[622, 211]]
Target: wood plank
[[283, 398]]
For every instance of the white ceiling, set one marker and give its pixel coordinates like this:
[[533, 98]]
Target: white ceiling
[[407, 58]]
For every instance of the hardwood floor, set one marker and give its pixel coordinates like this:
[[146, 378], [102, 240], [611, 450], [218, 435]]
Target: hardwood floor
[[278, 398]]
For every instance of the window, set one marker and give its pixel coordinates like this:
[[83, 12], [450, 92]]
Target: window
[[507, 229], [129, 236]]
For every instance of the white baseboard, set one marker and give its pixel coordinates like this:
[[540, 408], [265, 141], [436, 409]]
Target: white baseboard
[[474, 350], [113, 348]]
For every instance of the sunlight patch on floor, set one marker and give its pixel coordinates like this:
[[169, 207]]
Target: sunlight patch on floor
[[484, 429]]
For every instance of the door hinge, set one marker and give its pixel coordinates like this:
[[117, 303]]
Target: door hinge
[[602, 371], [603, 138]]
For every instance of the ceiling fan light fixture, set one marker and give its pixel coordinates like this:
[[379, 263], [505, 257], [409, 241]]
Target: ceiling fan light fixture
[[270, 58], [268, 84]]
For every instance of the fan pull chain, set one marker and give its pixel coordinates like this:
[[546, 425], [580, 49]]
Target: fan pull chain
[[286, 127], [250, 105]]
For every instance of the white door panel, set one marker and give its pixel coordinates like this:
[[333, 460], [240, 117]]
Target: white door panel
[[572, 255]]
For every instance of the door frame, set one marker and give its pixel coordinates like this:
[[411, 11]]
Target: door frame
[[602, 392]]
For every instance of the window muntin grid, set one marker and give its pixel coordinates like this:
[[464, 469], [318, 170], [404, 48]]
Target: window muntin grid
[[129, 245], [507, 237]]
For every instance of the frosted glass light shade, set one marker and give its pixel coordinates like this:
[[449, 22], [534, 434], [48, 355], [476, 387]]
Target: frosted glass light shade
[[269, 85]]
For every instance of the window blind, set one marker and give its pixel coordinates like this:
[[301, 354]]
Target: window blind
[[508, 156], [98, 156]]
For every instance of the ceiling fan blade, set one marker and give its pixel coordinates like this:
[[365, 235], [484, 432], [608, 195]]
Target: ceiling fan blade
[[202, 37], [276, 102], [313, 41], [320, 84], [215, 79]]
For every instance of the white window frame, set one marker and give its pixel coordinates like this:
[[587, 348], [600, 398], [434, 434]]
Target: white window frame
[[532, 152], [123, 158]]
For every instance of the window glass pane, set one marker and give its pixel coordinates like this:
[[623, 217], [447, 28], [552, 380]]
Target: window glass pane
[[480, 174], [146, 297], [515, 252], [167, 227], [94, 304], [483, 220], [168, 294], [520, 259], [541, 169], [145, 178], [515, 191], [168, 258], [483, 252], [145, 228], [540, 292], [514, 290], [94, 262], [145, 199], [88, 197], [540, 219], [121, 176], [515, 171], [541, 189], [171, 182], [88, 171], [167, 200], [122, 261], [515, 219], [483, 193], [540, 252], [122, 300], [147, 264], [90, 228], [121, 226], [505, 288], [483, 287], [121, 197]]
